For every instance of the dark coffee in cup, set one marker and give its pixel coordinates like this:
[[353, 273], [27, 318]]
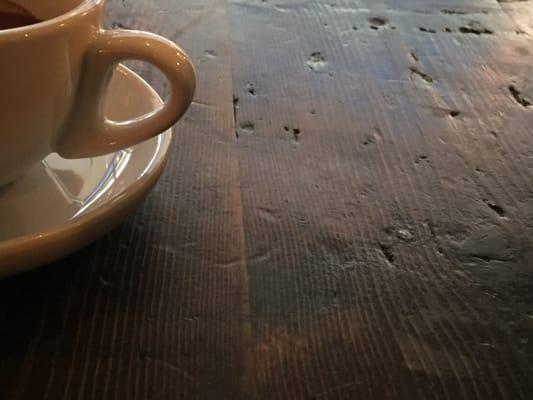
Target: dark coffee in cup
[[14, 16]]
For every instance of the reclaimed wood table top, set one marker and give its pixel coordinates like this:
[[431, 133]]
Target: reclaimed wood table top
[[347, 214]]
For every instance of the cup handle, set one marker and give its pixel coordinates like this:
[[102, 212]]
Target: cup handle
[[89, 133]]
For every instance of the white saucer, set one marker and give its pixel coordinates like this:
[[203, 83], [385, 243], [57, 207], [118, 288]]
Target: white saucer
[[63, 205]]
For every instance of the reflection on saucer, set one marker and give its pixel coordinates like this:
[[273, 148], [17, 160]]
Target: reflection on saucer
[[64, 189], [98, 174]]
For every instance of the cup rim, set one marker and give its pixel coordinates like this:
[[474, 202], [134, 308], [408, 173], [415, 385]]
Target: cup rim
[[52, 22]]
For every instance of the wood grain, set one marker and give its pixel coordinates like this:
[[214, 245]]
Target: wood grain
[[346, 214], [387, 221]]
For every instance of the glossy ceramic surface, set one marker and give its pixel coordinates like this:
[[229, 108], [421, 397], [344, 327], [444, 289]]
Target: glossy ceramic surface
[[62, 205], [54, 77]]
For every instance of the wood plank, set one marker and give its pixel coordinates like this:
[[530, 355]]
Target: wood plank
[[386, 199]]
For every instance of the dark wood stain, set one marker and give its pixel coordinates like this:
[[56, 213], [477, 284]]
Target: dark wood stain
[[368, 236]]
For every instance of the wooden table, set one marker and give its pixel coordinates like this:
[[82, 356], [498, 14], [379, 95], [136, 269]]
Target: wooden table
[[347, 214]]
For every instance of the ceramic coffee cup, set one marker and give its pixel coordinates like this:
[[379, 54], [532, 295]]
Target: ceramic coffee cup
[[53, 81]]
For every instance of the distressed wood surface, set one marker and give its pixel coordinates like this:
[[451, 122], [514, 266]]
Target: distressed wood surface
[[347, 214]]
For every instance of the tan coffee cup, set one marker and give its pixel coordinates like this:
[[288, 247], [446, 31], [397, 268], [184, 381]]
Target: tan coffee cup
[[53, 80]]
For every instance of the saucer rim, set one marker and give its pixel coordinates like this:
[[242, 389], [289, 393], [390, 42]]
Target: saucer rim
[[81, 231]]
